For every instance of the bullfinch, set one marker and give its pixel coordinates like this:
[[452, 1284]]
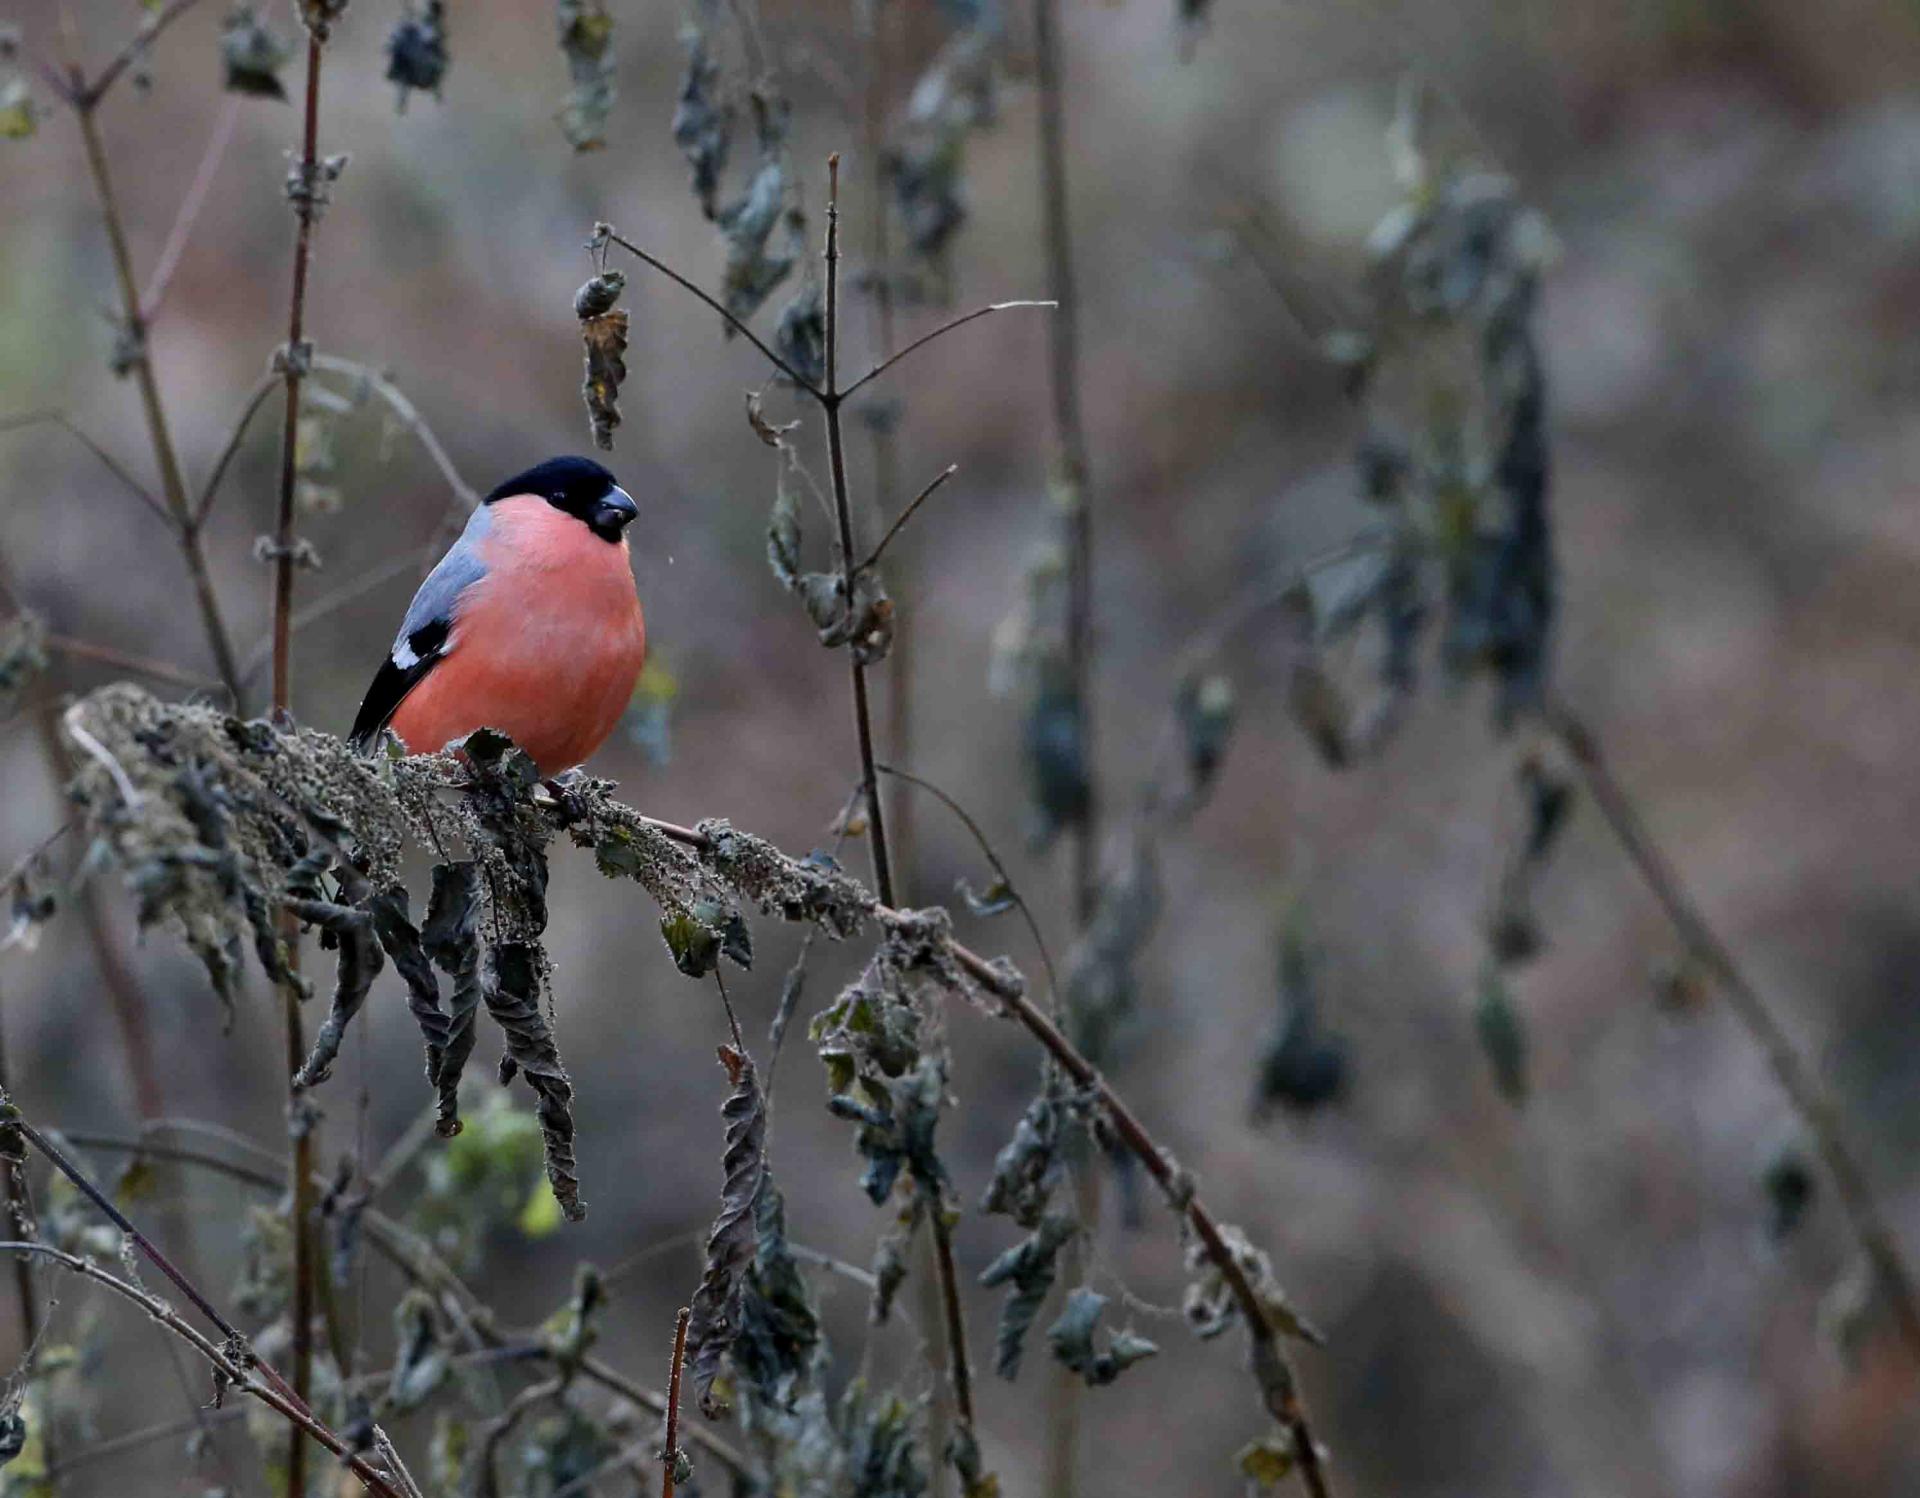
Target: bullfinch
[[530, 625]]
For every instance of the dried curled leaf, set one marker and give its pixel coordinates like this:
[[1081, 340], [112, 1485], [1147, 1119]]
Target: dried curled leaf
[[800, 336], [703, 122], [1205, 709], [1071, 1338], [422, 1357], [23, 653], [1029, 1267], [1267, 1462], [1790, 1185], [31, 903], [351, 931], [252, 55], [1303, 1068], [510, 987], [19, 115], [699, 935], [417, 51], [450, 942], [603, 329], [1503, 1034], [586, 41], [1210, 1305], [1029, 1166], [780, 1342], [731, 1244]]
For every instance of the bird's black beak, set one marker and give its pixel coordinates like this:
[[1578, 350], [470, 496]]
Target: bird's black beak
[[612, 513]]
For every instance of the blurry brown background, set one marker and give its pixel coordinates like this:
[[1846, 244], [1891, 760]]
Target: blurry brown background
[[1578, 1298]]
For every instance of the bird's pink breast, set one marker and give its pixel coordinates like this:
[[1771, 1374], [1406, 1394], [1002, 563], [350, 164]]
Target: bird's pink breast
[[546, 648]]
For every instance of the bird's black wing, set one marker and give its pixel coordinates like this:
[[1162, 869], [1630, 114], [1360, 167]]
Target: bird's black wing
[[422, 649]]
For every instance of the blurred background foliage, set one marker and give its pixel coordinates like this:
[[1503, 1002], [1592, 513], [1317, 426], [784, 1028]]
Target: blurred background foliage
[[1589, 1293]]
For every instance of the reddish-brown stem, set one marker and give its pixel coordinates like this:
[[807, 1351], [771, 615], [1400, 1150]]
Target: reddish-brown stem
[[672, 1456], [1797, 1077], [306, 203]]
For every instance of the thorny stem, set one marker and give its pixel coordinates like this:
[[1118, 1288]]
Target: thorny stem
[[672, 1456], [302, 1121], [1796, 1076], [173, 486], [959, 1374], [1270, 1367]]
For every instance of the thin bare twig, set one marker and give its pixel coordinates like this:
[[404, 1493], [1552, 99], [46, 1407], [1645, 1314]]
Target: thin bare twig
[[190, 207], [993, 861], [940, 332], [88, 97], [266, 385], [112, 464], [123, 660], [409, 417], [672, 1455], [1797, 1077], [307, 200], [606, 231], [173, 486], [873, 557]]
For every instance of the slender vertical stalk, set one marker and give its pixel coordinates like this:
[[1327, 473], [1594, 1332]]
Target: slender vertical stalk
[[173, 486], [960, 1375], [1069, 432], [673, 1400], [1796, 1076], [830, 401], [1070, 481], [885, 439], [936, 1304], [300, 1121]]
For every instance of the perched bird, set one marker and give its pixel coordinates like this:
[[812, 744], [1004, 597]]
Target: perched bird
[[530, 625]]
